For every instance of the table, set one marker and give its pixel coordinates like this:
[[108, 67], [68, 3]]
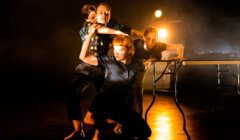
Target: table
[[176, 67]]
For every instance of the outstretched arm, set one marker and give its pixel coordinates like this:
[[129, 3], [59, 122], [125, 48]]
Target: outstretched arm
[[106, 30], [176, 47], [84, 56], [126, 29], [136, 33]]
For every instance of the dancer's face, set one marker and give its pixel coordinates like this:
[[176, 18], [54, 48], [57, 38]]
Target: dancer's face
[[103, 14], [120, 53], [92, 17], [150, 39]]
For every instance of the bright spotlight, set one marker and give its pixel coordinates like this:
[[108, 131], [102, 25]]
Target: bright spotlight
[[158, 13], [162, 34]]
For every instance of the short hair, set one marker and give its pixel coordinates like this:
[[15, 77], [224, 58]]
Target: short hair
[[126, 42], [150, 29], [105, 4], [87, 9]]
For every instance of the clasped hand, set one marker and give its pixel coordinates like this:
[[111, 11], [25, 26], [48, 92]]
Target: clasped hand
[[92, 29]]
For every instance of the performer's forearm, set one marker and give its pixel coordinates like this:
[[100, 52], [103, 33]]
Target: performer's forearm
[[136, 33], [177, 48], [106, 30], [85, 47]]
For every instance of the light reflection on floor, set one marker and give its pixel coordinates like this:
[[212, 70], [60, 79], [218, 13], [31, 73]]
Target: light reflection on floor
[[164, 119], [163, 126]]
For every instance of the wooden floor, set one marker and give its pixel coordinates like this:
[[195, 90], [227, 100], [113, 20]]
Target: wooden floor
[[47, 120]]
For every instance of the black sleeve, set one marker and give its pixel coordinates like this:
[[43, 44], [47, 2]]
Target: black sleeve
[[138, 65], [140, 52], [103, 60], [161, 46], [118, 26], [157, 50], [137, 44]]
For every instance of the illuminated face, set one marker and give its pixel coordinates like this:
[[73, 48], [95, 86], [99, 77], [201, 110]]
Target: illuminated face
[[150, 40], [92, 17], [103, 14], [120, 53]]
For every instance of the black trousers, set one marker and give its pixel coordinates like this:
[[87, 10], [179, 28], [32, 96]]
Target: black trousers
[[73, 97], [104, 108], [86, 82]]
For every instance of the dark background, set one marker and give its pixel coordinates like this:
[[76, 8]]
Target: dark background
[[40, 43]]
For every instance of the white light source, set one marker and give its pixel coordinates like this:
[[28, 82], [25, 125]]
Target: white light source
[[158, 13], [162, 34]]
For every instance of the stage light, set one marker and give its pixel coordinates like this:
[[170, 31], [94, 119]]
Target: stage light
[[162, 34], [158, 13]]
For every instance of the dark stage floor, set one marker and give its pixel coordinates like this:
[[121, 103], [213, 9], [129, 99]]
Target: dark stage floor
[[47, 120]]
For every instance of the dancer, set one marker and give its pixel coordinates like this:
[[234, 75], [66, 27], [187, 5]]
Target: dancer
[[112, 100], [87, 76], [147, 50]]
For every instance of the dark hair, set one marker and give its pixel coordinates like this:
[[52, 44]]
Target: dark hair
[[105, 4], [87, 9], [150, 29]]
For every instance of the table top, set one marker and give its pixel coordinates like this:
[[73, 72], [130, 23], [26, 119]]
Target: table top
[[203, 62]]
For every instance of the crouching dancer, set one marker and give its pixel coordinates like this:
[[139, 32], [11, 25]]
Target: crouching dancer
[[113, 100]]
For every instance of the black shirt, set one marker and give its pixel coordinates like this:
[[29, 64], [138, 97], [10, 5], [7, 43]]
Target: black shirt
[[119, 77], [155, 52], [118, 26]]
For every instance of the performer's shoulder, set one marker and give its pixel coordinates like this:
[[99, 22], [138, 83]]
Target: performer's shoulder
[[138, 43]]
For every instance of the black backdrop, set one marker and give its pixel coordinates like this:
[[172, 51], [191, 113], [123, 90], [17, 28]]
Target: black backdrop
[[40, 43]]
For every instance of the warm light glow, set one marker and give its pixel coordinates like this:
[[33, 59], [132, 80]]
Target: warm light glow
[[162, 35], [165, 120], [158, 13], [163, 130]]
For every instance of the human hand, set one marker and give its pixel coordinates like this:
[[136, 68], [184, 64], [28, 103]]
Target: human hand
[[92, 29], [118, 128], [149, 62], [151, 59]]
